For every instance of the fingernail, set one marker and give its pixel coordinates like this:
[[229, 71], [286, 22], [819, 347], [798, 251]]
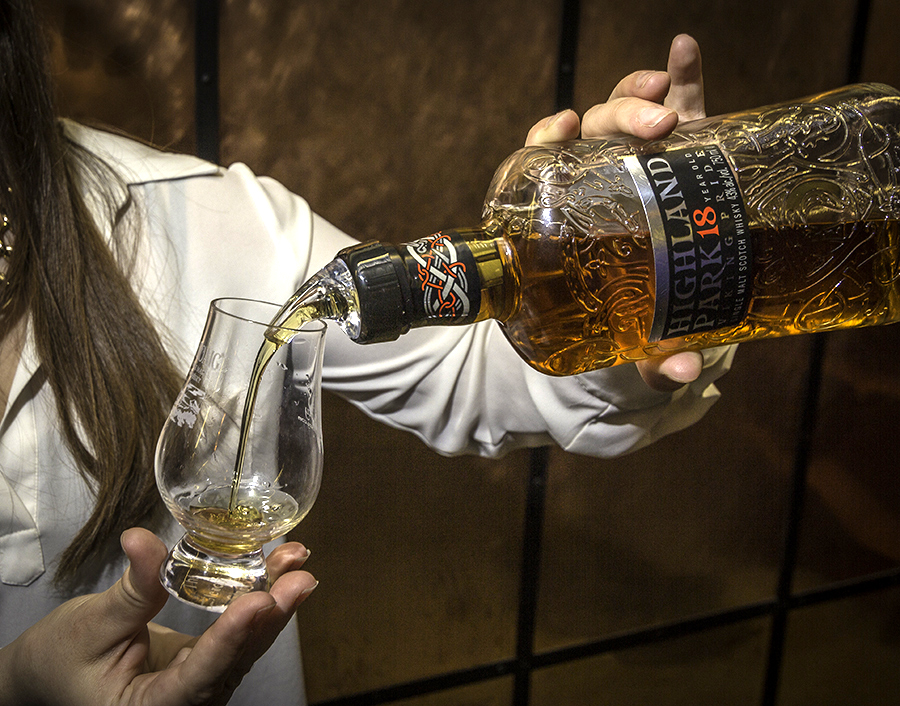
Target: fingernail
[[651, 117], [646, 76], [556, 117], [304, 593]]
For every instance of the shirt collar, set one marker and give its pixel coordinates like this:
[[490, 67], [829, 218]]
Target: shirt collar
[[135, 162]]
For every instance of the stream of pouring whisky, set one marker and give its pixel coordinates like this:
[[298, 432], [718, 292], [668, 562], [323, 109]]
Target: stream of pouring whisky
[[297, 311]]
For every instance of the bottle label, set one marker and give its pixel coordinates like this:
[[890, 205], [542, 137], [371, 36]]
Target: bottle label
[[700, 237], [443, 278]]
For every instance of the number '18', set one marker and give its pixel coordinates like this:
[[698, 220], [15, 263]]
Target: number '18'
[[706, 217]]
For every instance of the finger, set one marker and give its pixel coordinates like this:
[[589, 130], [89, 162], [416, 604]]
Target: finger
[[562, 126], [685, 68], [213, 666], [668, 373], [289, 591], [132, 602], [289, 556], [629, 116], [146, 553], [649, 85], [221, 656]]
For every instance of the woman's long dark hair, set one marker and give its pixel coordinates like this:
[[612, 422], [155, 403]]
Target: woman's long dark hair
[[111, 376]]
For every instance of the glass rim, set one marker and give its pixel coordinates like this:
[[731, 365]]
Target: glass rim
[[217, 304]]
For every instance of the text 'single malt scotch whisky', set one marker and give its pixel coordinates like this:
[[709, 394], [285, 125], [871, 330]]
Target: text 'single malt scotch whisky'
[[590, 253]]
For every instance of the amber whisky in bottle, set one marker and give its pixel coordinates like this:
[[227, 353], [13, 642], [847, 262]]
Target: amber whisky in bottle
[[768, 222]]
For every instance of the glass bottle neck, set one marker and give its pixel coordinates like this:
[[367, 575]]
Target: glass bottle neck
[[497, 278], [449, 278]]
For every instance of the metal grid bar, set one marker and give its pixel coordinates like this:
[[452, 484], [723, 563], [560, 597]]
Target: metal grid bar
[[206, 78]]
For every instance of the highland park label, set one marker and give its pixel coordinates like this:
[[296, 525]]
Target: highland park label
[[701, 241]]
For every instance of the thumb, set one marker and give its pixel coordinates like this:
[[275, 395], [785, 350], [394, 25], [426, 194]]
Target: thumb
[[138, 596]]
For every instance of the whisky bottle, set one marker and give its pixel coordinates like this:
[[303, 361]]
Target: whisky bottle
[[590, 253]]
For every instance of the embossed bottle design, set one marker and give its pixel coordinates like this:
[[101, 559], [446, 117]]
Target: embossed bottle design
[[769, 222]]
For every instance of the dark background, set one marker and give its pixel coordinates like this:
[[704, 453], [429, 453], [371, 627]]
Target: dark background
[[753, 558]]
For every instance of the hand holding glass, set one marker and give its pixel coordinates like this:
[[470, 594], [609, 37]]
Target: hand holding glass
[[230, 509]]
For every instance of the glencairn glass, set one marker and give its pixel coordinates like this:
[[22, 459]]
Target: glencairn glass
[[230, 510]]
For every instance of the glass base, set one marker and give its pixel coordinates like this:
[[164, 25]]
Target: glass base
[[209, 580]]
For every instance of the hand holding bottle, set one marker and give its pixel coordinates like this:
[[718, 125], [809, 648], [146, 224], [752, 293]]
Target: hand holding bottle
[[649, 105], [102, 649]]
